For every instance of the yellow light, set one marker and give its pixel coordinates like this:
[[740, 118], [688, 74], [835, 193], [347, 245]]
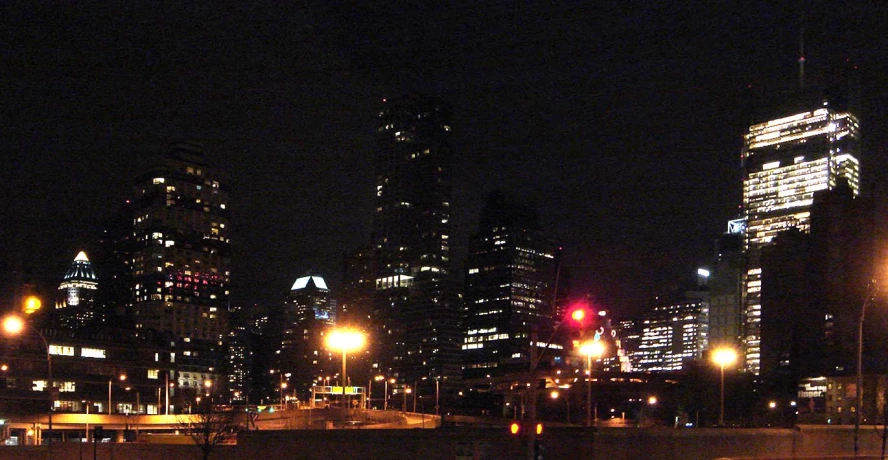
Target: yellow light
[[345, 340], [379, 378], [31, 304], [592, 348], [724, 356], [578, 315], [514, 428], [652, 400], [539, 428], [208, 383], [772, 404], [13, 325], [554, 394]]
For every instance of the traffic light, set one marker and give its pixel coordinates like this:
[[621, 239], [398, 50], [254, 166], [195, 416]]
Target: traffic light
[[519, 428], [580, 315]]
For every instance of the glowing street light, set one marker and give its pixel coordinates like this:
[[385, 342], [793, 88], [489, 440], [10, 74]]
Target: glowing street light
[[723, 357], [345, 340], [554, 395], [14, 325], [590, 348]]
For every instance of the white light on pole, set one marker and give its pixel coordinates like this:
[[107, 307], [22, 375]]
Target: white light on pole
[[723, 357], [590, 348], [345, 340]]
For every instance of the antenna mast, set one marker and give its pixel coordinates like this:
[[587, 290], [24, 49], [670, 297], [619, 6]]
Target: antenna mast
[[802, 56]]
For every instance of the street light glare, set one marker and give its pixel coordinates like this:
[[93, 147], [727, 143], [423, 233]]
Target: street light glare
[[345, 340], [724, 356], [32, 304], [592, 348], [13, 325]]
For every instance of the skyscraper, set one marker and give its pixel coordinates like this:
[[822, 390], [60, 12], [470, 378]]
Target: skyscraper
[[308, 316], [75, 302], [509, 287], [181, 257], [674, 332], [416, 308], [785, 161]]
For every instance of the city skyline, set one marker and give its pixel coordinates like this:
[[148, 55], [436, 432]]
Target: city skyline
[[605, 119]]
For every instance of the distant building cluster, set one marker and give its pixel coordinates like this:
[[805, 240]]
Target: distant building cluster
[[147, 326]]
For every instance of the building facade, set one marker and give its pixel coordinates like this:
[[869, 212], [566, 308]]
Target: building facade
[[673, 333], [181, 258], [416, 300], [509, 290], [785, 161], [310, 313]]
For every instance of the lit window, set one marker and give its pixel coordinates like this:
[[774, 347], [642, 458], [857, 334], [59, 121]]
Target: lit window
[[61, 350], [159, 180], [92, 353]]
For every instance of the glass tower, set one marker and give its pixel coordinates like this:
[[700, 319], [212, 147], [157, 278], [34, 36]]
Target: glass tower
[[416, 303], [786, 161]]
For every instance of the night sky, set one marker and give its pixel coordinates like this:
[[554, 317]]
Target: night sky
[[620, 121]]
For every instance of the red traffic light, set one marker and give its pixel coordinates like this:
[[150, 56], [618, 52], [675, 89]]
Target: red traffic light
[[580, 315]]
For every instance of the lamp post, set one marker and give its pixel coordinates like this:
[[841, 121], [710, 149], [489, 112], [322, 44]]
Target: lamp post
[[406, 392], [554, 395], [723, 357], [384, 390], [345, 340], [871, 291], [590, 348], [437, 395], [14, 325]]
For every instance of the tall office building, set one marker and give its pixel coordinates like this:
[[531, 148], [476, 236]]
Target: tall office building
[[416, 302], [509, 289], [785, 161], [673, 333], [181, 258], [725, 289], [309, 314], [75, 300]]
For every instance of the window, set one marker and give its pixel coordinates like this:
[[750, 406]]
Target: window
[[61, 350], [153, 374], [92, 353]]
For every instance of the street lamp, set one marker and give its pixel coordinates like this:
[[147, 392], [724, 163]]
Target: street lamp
[[381, 378], [345, 340], [554, 395], [208, 384], [14, 325], [392, 381], [723, 357], [871, 291], [590, 348]]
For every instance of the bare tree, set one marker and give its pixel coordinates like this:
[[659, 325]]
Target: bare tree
[[210, 428]]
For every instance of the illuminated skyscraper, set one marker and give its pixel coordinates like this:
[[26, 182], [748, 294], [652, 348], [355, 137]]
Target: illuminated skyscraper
[[308, 316], [511, 274], [416, 306], [181, 256], [75, 302], [675, 332], [785, 161]]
